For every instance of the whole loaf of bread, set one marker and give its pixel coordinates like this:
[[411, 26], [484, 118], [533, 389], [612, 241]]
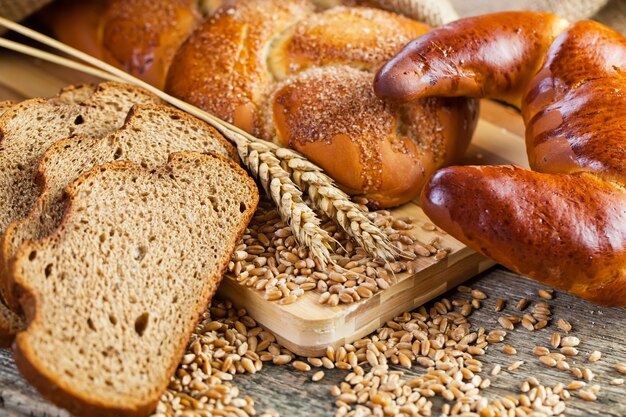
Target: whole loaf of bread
[[564, 223], [287, 71]]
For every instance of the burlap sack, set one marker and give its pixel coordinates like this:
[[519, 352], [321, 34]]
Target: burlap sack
[[437, 12], [19, 9]]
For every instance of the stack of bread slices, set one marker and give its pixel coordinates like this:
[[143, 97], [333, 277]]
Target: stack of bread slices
[[118, 215]]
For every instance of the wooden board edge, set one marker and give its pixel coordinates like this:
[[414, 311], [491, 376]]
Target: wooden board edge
[[318, 335]]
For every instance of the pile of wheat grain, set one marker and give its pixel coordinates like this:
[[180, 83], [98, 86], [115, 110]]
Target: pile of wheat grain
[[269, 259]]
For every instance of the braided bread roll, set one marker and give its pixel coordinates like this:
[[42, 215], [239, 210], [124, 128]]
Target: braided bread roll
[[289, 71], [565, 222]]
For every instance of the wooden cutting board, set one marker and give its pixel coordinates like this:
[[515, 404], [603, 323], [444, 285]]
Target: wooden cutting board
[[307, 327]]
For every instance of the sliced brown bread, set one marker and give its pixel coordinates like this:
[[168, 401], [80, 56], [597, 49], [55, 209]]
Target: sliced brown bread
[[27, 129], [11, 322], [112, 296], [149, 135]]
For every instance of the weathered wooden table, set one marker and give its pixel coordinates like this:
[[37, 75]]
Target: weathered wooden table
[[292, 393]]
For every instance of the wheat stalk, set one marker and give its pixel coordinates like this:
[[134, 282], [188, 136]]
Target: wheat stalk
[[266, 167], [337, 205]]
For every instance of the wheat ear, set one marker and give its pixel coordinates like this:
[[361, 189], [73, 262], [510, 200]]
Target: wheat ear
[[266, 167], [337, 205]]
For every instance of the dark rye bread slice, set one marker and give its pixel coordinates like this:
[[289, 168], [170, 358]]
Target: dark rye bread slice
[[27, 129], [149, 135], [112, 296]]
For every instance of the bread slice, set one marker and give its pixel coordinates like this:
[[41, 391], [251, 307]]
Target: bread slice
[[149, 135], [112, 296], [29, 128], [11, 322]]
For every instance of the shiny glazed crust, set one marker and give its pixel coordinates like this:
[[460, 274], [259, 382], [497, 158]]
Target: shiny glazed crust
[[564, 225], [240, 65], [491, 56]]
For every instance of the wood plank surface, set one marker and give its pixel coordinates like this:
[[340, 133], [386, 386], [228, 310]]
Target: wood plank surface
[[292, 394]]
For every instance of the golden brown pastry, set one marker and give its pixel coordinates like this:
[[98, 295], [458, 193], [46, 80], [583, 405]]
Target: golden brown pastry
[[565, 222], [292, 72]]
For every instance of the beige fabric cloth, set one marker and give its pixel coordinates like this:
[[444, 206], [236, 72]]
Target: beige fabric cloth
[[570, 9], [433, 12], [610, 12], [438, 12]]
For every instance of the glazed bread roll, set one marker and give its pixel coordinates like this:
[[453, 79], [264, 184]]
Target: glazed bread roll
[[291, 72], [564, 223]]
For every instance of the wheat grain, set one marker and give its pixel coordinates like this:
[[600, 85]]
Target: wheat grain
[[522, 304], [506, 323], [576, 385], [569, 351], [588, 374], [301, 366], [577, 372], [317, 376], [464, 289], [564, 325], [548, 360], [509, 350], [528, 325], [570, 341], [563, 366], [587, 395], [546, 294]]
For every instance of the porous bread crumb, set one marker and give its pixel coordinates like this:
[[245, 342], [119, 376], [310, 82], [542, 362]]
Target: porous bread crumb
[[123, 280]]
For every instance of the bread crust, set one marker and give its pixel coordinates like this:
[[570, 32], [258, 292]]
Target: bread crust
[[236, 61], [142, 36], [382, 152], [571, 105], [231, 82], [491, 56], [568, 231], [566, 224], [68, 396], [6, 104]]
